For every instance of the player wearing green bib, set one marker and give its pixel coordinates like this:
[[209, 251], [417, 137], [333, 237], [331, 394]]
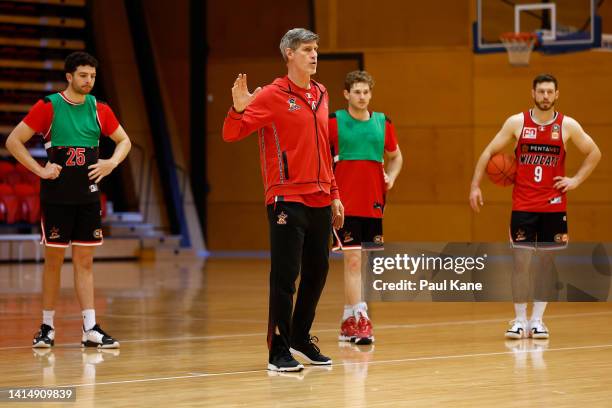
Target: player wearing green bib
[[72, 142], [360, 140], [71, 123]]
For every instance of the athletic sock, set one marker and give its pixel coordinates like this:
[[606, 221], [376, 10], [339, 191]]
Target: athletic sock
[[361, 308], [48, 317], [538, 310], [521, 311], [89, 319], [348, 312]]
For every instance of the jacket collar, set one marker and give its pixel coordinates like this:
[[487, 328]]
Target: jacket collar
[[286, 85]]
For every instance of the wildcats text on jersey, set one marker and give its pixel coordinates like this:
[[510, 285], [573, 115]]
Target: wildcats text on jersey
[[539, 160], [540, 154]]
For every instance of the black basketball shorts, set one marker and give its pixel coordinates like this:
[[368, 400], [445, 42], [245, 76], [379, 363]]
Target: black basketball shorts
[[79, 224], [538, 230], [358, 233]]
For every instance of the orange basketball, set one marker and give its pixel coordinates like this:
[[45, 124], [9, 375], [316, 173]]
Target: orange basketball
[[501, 169]]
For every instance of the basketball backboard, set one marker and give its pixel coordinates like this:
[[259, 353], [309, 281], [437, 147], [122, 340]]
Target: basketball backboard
[[561, 25]]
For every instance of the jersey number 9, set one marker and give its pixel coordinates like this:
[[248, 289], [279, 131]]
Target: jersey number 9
[[537, 174]]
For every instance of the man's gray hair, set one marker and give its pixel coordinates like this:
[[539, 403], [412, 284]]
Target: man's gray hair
[[294, 37]]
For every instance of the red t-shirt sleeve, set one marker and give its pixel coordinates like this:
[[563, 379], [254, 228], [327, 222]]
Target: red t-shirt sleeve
[[106, 117], [390, 136], [40, 116]]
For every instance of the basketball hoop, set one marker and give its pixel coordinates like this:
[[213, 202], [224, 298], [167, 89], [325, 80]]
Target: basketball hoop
[[519, 46]]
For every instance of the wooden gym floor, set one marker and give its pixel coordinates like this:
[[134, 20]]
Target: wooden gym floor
[[193, 334]]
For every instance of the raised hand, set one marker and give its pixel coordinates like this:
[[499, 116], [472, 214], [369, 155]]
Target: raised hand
[[240, 93]]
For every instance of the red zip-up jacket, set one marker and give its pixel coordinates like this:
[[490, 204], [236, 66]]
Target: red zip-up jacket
[[293, 139]]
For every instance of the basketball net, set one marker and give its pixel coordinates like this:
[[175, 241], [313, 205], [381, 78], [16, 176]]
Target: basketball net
[[519, 46]]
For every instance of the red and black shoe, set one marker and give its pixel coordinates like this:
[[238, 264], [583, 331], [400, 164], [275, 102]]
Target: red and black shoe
[[348, 330], [364, 331]]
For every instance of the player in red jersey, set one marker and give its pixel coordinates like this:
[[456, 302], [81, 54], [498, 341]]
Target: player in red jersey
[[360, 140], [539, 220]]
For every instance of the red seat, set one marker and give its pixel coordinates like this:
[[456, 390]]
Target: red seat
[[20, 168], [25, 175], [13, 178], [29, 202], [6, 168], [36, 184], [10, 210]]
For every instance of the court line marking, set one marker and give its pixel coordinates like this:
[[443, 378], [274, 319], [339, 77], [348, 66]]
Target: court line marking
[[206, 319], [378, 328], [182, 317], [145, 317], [379, 362]]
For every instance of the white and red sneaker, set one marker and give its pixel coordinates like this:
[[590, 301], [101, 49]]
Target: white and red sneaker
[[348, 329], [364, 331]]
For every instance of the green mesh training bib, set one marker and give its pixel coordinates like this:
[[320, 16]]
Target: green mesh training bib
[[74, 125], [359, 139], [75, 135]]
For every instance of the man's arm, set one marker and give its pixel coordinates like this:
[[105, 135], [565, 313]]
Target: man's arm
[[587, 146], [15, 144], [393, 153], [104, 167], [394, 166], [247, 114], [503, 137]]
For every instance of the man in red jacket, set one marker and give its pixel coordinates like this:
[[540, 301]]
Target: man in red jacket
[[290, 116]]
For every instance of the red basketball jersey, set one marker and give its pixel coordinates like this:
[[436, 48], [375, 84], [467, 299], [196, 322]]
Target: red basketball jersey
[[540, 156]]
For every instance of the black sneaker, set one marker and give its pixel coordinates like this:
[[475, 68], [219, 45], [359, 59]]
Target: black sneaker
[[283, 361], [96, 337], [310, 352], [45, 337]]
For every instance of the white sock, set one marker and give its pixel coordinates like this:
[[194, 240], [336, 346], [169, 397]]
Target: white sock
[[89, 318], [521, 311], [361, 308], [348, 312], [48, 317], [538, 310]]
